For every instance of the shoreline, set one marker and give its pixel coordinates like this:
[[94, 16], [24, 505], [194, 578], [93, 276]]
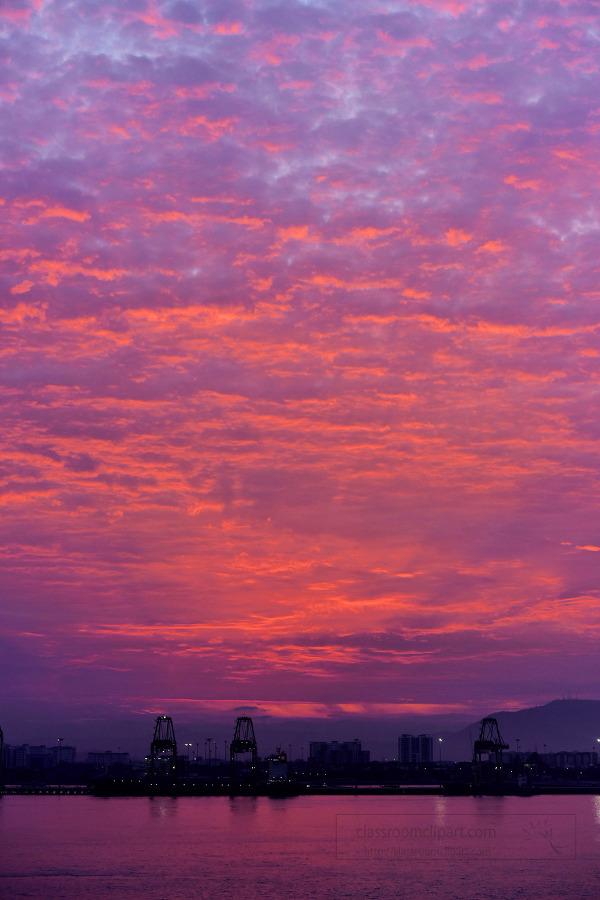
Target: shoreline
[[291, 791]]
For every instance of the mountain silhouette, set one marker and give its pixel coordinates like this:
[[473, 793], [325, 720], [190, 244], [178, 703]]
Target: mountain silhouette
[[559, 725]]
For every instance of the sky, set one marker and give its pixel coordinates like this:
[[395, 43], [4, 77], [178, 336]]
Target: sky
[[299, 344]]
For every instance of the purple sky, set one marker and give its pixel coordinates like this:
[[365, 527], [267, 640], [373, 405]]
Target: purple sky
[[299, 341]]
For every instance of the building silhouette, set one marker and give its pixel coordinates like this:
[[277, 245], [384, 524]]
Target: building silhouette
[[338, 755], [415, 750], [29, 756]]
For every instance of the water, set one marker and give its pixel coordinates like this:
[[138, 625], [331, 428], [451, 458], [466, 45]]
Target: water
[[200, 848]]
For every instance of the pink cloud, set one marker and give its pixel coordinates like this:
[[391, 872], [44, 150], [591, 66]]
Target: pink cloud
[[299, 357]]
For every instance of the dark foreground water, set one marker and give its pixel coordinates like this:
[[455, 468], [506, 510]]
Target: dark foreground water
[[466, 848]]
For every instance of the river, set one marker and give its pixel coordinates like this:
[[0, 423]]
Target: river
[[213, 848]]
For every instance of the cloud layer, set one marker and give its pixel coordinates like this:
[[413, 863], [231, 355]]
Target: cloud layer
[[299, 352]]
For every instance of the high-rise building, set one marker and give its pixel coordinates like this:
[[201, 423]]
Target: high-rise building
[[28, 756], [63, 754], [425, 748], [415, 750], [338, 755], [405, 743]]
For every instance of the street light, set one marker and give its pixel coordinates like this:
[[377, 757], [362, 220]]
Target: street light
[[60, 740], [440, 742]]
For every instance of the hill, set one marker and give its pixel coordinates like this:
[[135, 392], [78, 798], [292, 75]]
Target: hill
[[559, 725]]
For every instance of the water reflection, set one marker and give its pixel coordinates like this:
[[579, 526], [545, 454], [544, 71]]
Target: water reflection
[[163, 807], [249, 847], [243, 807], [440, 809]]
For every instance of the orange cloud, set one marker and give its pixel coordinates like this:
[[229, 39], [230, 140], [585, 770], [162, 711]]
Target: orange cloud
[[522, 184], [22, 287], [362, 235], [297, 233], [22, 313], [229, 28], [456, 237], [492, 247], [65, 213], [215, 127], [55, 271], [116, 129]]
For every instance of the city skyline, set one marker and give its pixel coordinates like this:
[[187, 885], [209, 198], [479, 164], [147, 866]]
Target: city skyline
[[559, 726], [299, 333]]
